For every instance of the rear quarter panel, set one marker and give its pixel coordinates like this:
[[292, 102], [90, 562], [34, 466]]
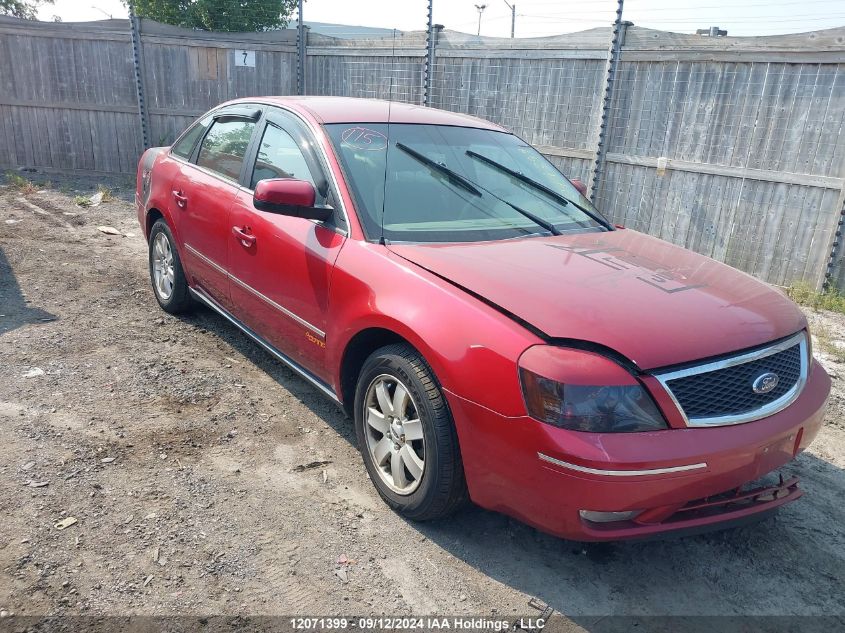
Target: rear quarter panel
[[156, 172]]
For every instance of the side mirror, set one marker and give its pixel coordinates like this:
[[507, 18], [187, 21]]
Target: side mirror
[[289, 196], [579, 185]]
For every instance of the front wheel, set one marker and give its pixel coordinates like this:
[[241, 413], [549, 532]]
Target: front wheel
[[406, 435]]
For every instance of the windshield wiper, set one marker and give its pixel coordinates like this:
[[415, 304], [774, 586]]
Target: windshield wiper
[[535, 185], [454, 177], [551, 228]]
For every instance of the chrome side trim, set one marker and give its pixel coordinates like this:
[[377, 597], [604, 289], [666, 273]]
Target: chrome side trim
[[205, 259], [770, 409], [621, 473], [246, 286], [296, 367], [278, 307]]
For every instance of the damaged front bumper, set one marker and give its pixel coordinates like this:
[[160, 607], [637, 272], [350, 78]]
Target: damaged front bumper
[[675, 480], [740, 506]]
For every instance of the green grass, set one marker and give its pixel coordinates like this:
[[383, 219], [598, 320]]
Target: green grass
[[831, 299], [826, 343], [82, 201], [16, 181], [804, 294], [108, 196]]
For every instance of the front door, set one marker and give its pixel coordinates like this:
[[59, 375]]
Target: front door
[[202, 197], [280, 275]]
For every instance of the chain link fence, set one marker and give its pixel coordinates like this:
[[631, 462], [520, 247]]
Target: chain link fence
[[390, 67]]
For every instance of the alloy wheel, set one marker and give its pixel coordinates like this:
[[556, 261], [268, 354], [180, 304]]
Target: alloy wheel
[[394, 434], [164, 276]]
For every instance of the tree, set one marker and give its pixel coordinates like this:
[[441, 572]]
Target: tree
[[217, 15], [26, 9]]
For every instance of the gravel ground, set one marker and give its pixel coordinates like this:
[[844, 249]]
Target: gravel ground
[[205, 478]]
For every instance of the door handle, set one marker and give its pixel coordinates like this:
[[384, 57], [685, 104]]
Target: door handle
[[181, 199], [243, 237]]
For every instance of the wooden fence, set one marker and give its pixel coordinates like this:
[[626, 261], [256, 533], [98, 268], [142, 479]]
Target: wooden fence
[[68, 93], [734, 147]]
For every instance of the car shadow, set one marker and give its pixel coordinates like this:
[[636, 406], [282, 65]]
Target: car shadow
[[788, 564], [792, 563], [14, 310], [317, 402]]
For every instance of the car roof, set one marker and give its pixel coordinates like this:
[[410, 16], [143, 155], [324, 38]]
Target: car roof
[[354, 110]]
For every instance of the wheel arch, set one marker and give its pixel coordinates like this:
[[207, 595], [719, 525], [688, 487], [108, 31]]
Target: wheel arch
[[153, 215], [468, 345], [359, 347]]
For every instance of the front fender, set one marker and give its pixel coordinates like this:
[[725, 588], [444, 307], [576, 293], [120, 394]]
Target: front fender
[[472, 348]]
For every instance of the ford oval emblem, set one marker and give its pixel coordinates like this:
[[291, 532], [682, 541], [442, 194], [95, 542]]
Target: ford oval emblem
[[764, 383]]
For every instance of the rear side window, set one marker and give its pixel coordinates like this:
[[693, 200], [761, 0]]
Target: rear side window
[[185, 147], [279, 157], [223, 148]]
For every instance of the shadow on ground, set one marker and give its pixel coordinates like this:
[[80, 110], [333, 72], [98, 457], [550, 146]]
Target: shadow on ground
[[758, 569], [309, 396], [753, 569], [14, 310]]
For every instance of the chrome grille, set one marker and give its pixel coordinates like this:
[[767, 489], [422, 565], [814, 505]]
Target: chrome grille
[[721, 392]]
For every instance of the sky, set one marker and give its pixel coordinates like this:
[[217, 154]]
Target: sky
[[536, 18]]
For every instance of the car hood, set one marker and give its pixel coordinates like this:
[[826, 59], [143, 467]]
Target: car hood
[[653, 302]]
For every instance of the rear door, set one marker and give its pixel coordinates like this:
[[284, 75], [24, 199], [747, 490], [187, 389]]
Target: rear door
[[280, 280], [203, 193]]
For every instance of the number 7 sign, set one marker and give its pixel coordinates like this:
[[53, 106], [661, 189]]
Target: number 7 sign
[[245, 58]]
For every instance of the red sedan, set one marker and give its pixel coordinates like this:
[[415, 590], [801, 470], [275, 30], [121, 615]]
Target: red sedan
[[493, 336]]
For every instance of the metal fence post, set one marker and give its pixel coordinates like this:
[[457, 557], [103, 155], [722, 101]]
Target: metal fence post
[[137, 62], [616, 43], [833, 263], [430, 37], [301, 36]]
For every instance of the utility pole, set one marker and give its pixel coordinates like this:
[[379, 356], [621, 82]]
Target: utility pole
[[512, 7], [480, 8], [108, 15]]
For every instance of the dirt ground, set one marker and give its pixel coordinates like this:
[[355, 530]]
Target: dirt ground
[[205, 478]]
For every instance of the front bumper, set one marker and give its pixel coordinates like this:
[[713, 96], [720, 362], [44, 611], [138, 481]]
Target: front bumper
[[681, 479]]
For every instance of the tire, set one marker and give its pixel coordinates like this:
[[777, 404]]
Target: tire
[[166, 270], [439, 487]]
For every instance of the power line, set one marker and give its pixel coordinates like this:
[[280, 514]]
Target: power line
[[755, 16], [691, 20]]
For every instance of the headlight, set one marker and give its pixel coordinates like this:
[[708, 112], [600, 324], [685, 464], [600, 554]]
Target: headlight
[[596, 408]]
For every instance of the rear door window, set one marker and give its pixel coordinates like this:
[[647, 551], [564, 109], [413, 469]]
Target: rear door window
[[185, 147], [223, 148]]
